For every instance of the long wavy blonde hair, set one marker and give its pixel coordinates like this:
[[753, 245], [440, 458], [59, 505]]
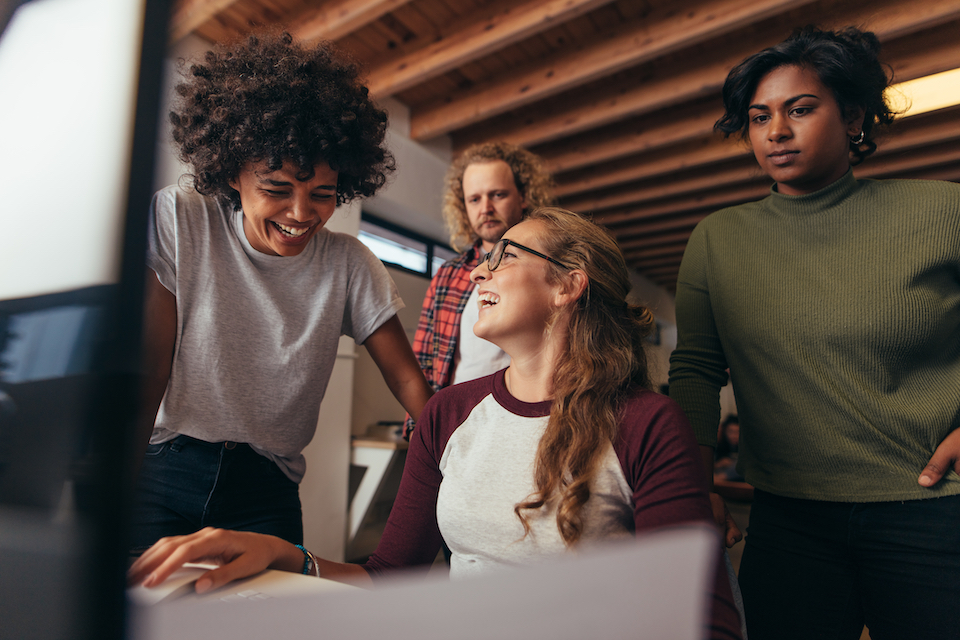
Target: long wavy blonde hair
[[604, 360], [531, 177]]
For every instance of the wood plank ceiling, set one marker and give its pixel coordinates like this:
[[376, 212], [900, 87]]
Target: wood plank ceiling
[[619, 97]]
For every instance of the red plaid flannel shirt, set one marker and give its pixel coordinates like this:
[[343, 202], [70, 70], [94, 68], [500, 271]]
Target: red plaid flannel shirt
[[435, 343]]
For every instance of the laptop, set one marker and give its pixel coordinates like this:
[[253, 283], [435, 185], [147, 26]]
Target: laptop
[[655, 586]]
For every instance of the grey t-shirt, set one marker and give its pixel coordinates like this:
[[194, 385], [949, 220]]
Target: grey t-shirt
[[257, 335]]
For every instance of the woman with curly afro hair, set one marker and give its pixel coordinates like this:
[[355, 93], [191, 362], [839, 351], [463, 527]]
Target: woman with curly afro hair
[[249, 293]]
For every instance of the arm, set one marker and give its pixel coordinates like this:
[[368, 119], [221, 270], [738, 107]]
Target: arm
[[662, 463], [698, 369], [390, 349], [240, 554], [159, 340], [423, 344], [946, 456]]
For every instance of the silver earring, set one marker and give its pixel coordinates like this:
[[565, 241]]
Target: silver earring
[[858, 139]]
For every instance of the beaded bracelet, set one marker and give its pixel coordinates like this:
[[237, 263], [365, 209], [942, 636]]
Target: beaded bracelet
[[307, 559]]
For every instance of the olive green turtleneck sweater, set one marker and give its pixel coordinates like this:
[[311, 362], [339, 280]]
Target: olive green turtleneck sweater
[[838, 315]]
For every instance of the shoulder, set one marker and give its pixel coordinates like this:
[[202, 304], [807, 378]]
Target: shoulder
[[645, 403], [346, 249], [646, 415], [450, 407], [912, 190], [461, 398], [342, 241], [722, 217], [182, 199], [725, 225], [176, 205]]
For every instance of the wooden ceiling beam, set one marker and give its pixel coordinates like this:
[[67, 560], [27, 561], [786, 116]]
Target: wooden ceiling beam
[[711, 201], [661, 272], [659, 269], [654, 240], [925, 53], [664, 31], [589, 110], [664, 264], [893, 165], [670, 250], [625, 138], [890, 18], [481, 37], [668, 162], [641, 227], [745, 170], [190, 15], [335, 19]]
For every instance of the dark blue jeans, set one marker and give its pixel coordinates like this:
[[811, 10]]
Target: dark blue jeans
[[822, 570], [187, 484]]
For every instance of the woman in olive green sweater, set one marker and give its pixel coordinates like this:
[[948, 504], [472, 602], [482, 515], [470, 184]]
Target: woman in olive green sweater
[[835, 304]]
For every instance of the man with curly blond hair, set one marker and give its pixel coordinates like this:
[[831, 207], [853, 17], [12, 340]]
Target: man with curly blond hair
[[489, 188], [248, 293]]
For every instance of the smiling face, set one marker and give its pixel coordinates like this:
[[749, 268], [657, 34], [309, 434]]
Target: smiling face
[[516, 301], [798, 134], [281, 213], [493, 202]]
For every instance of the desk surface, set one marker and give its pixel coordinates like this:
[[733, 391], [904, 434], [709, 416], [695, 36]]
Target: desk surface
[[378, 443]]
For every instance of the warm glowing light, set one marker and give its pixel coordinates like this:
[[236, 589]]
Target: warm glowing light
[[926, 94]]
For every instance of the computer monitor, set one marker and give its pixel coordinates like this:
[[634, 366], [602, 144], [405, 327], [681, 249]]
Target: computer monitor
[[80, 81]]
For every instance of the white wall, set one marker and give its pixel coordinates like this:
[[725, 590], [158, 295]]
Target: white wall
[[412, 196], [661, 304]]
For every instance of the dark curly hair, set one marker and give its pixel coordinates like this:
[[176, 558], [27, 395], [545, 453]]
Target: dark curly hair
[[269, 99], [845, 61], [531, 177]]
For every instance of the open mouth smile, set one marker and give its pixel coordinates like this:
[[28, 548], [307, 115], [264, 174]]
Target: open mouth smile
[[487, 299], [290, 232]]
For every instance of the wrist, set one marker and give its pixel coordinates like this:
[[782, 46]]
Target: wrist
[[310, 566], [287, 557]]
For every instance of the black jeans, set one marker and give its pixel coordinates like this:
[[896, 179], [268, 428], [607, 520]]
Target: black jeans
[[187, 484], [813, 569]]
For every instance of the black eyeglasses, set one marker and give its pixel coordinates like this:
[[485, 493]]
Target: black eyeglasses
[[494, 257]]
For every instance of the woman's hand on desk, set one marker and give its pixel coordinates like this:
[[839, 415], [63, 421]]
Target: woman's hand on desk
[[240, 554]]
